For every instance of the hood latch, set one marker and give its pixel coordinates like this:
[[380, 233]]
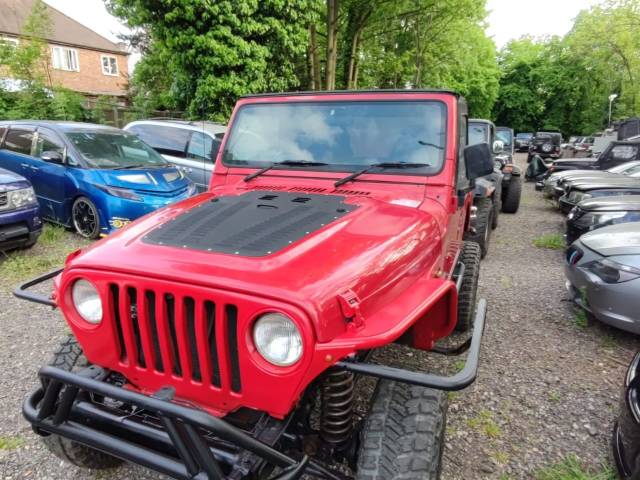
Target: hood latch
[[350, 306]]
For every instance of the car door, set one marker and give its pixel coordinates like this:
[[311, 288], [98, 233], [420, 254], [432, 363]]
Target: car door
[[51, 181], [15, 154], [200, 154]]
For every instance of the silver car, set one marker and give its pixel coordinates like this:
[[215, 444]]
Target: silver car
[[552, 184], [603, 274], [190, 146]]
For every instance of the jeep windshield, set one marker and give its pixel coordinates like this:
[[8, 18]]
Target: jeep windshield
[[340, 136]]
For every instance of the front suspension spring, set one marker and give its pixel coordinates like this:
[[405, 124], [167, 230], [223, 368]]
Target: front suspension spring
[[336, 419]]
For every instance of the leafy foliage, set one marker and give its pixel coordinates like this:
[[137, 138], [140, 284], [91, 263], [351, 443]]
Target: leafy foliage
[[31, 94], [564, 83], [200, 56], [213, 52]]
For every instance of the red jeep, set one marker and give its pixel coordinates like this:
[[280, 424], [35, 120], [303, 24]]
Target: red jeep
[[222, 337]]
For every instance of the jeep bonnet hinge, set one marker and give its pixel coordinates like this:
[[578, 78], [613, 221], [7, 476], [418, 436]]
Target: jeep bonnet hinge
[[350, 307]]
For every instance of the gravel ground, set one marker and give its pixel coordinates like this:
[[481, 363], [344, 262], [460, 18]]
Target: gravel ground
[[546, 388]]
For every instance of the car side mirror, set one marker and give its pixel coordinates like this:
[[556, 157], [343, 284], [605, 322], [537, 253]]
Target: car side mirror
[[478, 160], [52, 156], [498, 147]]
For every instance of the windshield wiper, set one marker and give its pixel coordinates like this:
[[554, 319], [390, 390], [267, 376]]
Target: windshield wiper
[[382, 165], [297, 163], [128, 167]]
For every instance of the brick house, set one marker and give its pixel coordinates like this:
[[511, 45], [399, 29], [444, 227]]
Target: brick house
[[79, 58]]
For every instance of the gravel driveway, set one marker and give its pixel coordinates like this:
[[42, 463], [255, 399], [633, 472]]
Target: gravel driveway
[[547, 387]]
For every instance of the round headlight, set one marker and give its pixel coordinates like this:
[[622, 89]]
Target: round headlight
[[87, 301], [277, 339]]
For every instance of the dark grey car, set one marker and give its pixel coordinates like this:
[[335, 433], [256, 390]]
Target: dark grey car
[[603, 274], [600, 212]]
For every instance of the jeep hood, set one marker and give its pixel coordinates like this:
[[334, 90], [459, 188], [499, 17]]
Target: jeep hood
[[306, 249]]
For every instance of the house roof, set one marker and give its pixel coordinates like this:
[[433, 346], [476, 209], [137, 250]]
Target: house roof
[[64, 30]]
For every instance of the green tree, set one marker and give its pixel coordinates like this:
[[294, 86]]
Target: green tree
[[215, 52]]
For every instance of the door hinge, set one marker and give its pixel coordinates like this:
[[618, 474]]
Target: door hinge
[[350, 306]]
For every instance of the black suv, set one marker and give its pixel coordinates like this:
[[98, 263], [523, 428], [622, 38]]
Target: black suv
[[545, 145]]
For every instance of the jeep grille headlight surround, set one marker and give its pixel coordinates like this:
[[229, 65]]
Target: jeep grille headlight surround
[[87, 301], [277, 339]]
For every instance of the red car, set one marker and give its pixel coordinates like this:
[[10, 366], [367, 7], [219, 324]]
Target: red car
[[222, 336]]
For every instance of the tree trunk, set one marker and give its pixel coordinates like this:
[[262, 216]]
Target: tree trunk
[[351, 69], [332, 44], [314, 60]]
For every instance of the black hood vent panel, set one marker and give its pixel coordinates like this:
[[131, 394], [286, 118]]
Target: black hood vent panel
[[253, 224]]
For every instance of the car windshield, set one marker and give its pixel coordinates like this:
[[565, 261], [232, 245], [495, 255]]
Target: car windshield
[[478, 133], [344, 136], [504, 136], [114, 150], [525, 136]]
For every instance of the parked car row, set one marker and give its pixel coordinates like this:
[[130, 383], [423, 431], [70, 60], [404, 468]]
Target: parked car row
[[96, 179], [601, 197]]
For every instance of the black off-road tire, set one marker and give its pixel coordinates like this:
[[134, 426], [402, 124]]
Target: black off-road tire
[[484, 218], [403, 436], [69, 357], [470, 257], [511, 201]]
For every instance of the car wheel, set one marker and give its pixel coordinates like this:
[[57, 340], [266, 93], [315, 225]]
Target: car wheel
[[86, 220], [470, 257], [403, 435], [69, 357]]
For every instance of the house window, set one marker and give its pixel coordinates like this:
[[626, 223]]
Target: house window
[[9, 42], [65, 59], [109, 65]]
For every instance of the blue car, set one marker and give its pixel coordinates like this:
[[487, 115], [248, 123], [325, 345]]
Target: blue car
[[92, 178], [20, 224]]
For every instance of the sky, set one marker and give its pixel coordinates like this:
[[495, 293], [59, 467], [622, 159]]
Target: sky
[[508, 19]]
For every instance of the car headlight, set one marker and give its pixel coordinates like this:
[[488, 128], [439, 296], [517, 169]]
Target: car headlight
[[22, 197], [87, 301], [277, 339], [120, 192], [612, 272]]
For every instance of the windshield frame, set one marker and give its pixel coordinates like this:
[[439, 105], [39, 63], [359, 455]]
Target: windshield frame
[[87, 163], [408, 172]]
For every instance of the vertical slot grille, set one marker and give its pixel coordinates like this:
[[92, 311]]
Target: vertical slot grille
[[135, 323], [153, 322], [115, 308], [210, 318], [231, 313], [170, 306], [190, 310], [186, 336]]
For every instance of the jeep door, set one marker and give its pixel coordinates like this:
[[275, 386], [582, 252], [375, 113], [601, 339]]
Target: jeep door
[[51, 179]]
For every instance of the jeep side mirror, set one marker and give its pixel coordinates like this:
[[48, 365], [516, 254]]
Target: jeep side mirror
[[52, 156], [498, 147], [478, 160]]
